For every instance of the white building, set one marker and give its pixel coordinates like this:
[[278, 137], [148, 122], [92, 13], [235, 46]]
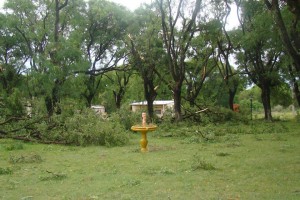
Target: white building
[[99, 109], [160, 106]]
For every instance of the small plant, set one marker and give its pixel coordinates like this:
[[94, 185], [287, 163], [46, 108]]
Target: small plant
[[200, 164], [131, 183], [192, 140], [34, 158], [222, 154], [53, 176], [166, 171], [4, 171], [207, 135]]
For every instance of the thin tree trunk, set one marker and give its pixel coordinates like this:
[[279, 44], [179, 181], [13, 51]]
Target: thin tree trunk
[[296, 92], [231, 98], [265, 96], [294, 85], [117, 99], [274, 6]]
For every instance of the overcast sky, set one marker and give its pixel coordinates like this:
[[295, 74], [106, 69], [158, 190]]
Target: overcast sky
[[131, 4], [1, 3]]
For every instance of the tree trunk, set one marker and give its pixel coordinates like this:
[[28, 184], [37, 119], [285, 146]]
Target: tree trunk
[[52, 102], [266, 100], [177, 102], [118, 99], [296, 92], [294, 85], [150, 95], [284, 33], [190, 96], [231, 98], [150, 109], [89, 99]]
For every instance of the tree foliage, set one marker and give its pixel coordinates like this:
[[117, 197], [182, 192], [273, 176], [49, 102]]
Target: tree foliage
[[59, 56]]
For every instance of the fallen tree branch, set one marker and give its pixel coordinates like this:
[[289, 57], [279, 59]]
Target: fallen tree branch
[[10, 119], [28, 139], [200, 111]]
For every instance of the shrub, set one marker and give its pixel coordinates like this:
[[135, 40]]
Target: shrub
[[278, 108], [85, 128], [126, 118]]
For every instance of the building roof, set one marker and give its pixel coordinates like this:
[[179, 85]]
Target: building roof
[[157, 102], [97, 106]]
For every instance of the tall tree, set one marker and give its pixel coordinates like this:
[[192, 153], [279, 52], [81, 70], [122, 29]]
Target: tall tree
[[179, 26], [47, 31], [289, 27], [103, 44], [291, 39], [260, 51], [147, 52], [225, 49]]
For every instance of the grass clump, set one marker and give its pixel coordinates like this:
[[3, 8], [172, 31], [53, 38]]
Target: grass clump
[[53, 176], [4, 171], [34, 158], [199, 164], [131, 183], [222, 154]]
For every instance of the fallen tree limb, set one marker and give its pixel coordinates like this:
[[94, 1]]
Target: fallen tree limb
[[28, 139], [11, 119], [200, 111]]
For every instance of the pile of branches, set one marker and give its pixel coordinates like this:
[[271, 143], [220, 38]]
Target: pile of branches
[[23, 128]]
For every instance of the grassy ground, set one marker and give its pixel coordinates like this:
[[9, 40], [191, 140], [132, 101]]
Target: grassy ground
[[234, 165]]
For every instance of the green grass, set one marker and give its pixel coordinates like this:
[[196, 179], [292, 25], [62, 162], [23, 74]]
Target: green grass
[[240, 164]]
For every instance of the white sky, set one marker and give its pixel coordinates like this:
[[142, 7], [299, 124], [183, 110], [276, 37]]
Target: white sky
[[131, 4], [1, 3]]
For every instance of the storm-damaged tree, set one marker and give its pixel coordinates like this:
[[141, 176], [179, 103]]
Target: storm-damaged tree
[[203, 62], [179, 25], [222, 10], [146, 51]]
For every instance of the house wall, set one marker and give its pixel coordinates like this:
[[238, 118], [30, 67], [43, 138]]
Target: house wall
[[99, 109], [158, 109]]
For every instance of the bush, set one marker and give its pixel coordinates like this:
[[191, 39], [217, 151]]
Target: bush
[[12, 104], [222, 115], [88, 128], [278, 108], [84, 128], [126, 118]]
